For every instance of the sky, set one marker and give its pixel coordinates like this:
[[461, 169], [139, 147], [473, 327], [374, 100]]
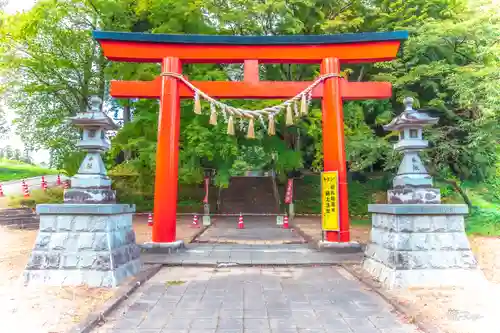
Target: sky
[[13, 139]]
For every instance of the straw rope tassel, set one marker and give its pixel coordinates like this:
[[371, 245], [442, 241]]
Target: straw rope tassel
[[197, 103], [213, 115], [230, 125], [251, 130], [303, 105], [271, 128], [289, 116]]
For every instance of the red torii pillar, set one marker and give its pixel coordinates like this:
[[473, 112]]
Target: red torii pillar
[[174, 50]]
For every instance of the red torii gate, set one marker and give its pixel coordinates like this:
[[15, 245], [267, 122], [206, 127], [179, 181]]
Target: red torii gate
[[174, 50]]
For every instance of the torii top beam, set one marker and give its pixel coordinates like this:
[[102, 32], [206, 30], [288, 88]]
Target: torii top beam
[[348, 48], [250, 50]]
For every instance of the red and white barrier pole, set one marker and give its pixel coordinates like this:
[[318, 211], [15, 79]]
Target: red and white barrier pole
[[1, 191], [26, 191], [66, 184], [44, 184]]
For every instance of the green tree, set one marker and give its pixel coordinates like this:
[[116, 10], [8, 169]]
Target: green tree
[[4, 126], [8, 152], [17, 154], [449, 64], [451, 67]]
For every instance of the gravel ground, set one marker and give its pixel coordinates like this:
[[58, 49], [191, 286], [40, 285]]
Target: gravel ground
[[50, 309], [452, 310]]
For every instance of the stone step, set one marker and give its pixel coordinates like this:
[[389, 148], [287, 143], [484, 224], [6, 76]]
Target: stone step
[[249, 195]]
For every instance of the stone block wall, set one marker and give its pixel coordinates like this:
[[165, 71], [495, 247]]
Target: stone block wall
[[97, 250], [420, 250]]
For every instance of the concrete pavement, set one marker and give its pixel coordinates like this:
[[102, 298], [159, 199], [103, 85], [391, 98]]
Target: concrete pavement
[[254, 300], [14, 187], [258, 229]]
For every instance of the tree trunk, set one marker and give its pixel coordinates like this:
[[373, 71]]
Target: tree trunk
[[460, 191], [127, 154]]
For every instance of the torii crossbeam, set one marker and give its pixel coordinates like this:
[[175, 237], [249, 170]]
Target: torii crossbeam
[[174, 50]]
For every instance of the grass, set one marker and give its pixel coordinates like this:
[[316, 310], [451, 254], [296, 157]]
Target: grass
[[174, 283], [483, 222], [360, 222], [52, 195], [15, 170]]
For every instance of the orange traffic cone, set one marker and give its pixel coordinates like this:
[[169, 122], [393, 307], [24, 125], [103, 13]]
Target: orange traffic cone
[[58, 180], [44, 184], [195, 223], [1, 191], [285, 222], [150, 220], [26, 191], [241, 223], [66, 185]]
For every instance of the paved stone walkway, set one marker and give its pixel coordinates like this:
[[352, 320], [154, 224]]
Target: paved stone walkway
[[254, 300], [248, 254], [258, 230]]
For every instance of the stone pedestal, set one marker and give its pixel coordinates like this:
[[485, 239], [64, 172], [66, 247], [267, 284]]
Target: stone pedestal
[[422, 245], [90, 244]]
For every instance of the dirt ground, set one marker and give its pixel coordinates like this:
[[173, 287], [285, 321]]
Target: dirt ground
[[51, 309], [452, 310]]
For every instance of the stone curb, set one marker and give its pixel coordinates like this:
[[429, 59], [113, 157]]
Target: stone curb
[[421, 323], [191, 239], [93, 319], [231, 264], [309, 239], [198, 234]]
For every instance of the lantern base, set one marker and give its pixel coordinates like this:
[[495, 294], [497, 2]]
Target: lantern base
[[420, 246], [91, 245]]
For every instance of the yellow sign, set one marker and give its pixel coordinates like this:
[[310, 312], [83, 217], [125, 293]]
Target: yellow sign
[[330, 200]]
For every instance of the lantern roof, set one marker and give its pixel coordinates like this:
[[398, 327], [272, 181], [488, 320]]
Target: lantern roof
[[410, 118], [94, 117]]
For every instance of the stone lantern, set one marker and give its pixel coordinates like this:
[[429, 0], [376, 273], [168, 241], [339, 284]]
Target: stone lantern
[[415, 240], [91, 184], [412, 183], [89, 239]]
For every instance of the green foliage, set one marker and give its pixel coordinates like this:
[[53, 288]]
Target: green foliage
[[483, 221], [53, 195], [131, 188], [13, 170], [451, 67], [450, 64], [308, 194], [72, 162]]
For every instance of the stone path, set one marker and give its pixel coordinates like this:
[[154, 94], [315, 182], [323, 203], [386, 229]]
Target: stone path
[[248, 254], [258, 230], [254, 300]]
